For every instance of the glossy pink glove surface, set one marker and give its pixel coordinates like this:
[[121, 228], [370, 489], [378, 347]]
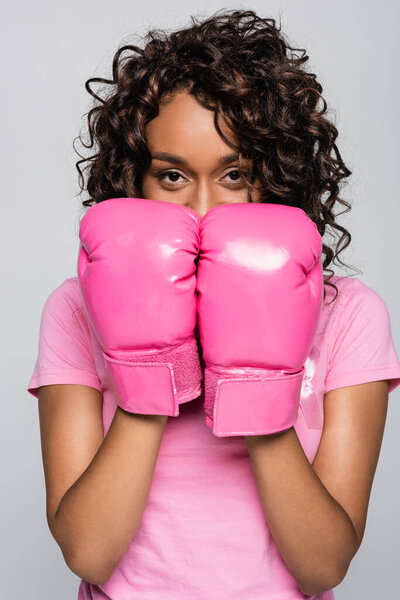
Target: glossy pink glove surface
[[137, 277], [260, 291]]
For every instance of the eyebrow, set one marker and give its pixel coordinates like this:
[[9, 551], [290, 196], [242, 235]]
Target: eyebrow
[[178, 160]]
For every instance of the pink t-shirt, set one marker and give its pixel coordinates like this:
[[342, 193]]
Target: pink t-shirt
[[203, 534]]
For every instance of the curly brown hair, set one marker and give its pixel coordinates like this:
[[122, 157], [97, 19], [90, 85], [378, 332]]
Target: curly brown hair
[[240, 66]]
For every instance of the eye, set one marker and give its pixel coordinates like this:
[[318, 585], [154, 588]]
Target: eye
[[162, 176], [237, 177], [172, 177]]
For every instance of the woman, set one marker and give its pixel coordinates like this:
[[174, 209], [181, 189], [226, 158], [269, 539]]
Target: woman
[[143, 506]]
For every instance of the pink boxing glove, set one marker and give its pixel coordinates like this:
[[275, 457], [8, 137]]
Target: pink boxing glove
[[137, 277], [260, 291]]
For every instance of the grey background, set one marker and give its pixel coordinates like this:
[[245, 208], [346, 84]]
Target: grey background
[[48, 50]]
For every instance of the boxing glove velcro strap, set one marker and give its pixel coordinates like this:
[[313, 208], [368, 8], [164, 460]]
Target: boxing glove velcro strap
[[156, 382], [247, 403]]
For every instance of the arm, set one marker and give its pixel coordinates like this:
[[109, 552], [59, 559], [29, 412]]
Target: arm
[[317, 513], [96, 488], [99, 488]]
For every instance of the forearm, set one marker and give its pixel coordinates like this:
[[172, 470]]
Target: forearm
[[100, 513], [312, 531]]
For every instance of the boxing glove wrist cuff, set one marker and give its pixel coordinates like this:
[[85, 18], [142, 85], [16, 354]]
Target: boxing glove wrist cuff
[[251, 401], [155, 382]]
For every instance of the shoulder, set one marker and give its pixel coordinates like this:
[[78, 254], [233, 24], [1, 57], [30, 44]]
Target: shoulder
[[353, 294], [359, 322], [65, 296], [65, 351], [360, 342], [358, 311], [63, 321], [64, 309]]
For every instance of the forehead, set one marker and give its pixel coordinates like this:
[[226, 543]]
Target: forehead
[[184, 126]]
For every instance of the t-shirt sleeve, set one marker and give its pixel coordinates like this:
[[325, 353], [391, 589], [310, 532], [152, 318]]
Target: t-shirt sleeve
[[64, 350], [363, 349]]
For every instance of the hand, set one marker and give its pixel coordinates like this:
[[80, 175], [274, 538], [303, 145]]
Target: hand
[[137, 277], [260, 290]]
